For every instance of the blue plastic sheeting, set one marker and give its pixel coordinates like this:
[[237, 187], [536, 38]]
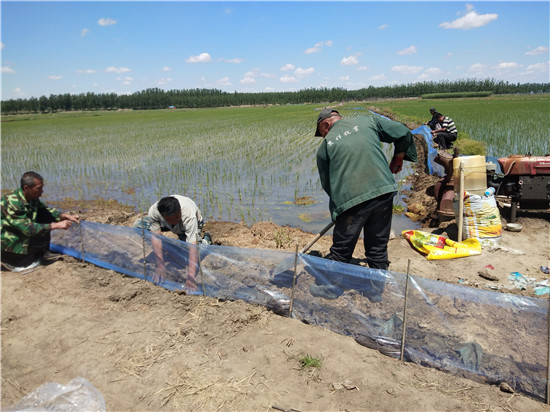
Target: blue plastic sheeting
[[486, 336], [432, 152]]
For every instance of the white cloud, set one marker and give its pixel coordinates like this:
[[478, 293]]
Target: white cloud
[[224, 81], [6, 69], [538, 50], [248, 80], [383, 27], [84, 32], [538, 68], [287, 67], [106, 21], [315, 49], [348, 61], [433, 71], [363, 68], [201, 58], [53, 77], [288, 79], [304, 72], [235, 60], [166, 68], [377, 77], [471, 20], [113, 69], [250, 76], [507, 65], [406, 69], [19, 92], [477, 68], [85, 71], [318, 47], [408, 50], [429, 73], [2, 46], [344, 78], [125, 80]]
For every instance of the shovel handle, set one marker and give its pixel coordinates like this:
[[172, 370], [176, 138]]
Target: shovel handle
[[316, 238]]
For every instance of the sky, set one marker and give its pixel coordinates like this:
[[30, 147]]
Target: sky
[[248, 46]]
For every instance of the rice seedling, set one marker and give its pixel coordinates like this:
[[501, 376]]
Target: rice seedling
[[246, 164]]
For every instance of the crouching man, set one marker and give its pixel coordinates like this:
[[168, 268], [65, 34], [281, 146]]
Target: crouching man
[[181, 216], [27, 224]]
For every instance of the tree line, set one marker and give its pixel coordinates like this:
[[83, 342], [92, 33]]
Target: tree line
[[155, 98]]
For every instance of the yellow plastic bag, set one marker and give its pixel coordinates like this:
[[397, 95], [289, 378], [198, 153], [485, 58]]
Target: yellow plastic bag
[[438, 247]]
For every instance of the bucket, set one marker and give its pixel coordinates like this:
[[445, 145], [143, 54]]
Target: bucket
[[475, 174]]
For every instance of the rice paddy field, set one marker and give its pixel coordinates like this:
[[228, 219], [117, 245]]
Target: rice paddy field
[[239, 164], [511, 124]]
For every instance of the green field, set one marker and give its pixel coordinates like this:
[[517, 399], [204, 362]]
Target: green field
[[246, 163], [511, 124]]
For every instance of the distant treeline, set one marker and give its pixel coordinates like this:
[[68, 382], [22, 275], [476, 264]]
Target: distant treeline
[[156, 98], [454, 95]]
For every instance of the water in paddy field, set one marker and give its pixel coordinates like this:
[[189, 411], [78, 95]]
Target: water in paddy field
[[249, 200], [256, 175]]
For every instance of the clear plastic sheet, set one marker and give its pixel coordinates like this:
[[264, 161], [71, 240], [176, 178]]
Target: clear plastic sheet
[[486, 336], [77, 395]]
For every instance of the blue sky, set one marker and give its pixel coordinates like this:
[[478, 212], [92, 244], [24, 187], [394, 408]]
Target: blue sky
[[124, 47]]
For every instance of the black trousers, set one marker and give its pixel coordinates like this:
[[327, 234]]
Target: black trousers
[[373, 217], [38, 245], [444, 139]]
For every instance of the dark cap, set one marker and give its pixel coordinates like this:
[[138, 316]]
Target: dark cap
[[433, 109], [325, 114]]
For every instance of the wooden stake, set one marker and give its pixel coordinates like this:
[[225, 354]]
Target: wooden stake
[[548, 361], [293, 282], [81, 242], [460, 201], [143, 242], [200, 267], [404, 329], [144, 254]]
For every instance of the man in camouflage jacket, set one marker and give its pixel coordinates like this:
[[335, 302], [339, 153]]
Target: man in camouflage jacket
[[27, 223]]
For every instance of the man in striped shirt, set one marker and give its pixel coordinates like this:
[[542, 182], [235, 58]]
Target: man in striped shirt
[[446, 134]]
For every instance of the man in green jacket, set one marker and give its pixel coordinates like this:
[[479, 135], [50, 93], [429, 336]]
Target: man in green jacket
[[27, 223], [356, 176]]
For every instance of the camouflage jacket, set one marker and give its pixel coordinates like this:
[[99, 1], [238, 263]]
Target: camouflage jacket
[[19, 221]]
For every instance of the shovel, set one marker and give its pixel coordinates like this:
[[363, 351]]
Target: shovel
[[286, 264], [316, 238]]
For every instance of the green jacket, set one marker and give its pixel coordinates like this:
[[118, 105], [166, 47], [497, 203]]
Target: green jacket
[[352, 165], [19, 221]]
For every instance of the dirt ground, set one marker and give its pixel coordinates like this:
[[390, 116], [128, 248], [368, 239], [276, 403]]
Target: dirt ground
[[148, 349]]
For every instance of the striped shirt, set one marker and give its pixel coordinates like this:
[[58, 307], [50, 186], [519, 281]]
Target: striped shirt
[[449, 125]]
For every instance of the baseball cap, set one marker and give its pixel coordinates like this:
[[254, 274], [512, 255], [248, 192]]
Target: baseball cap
[[433, 109], [325, 114]]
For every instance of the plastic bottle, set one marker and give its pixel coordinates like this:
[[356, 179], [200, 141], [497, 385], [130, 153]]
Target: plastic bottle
[[490, 191]]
